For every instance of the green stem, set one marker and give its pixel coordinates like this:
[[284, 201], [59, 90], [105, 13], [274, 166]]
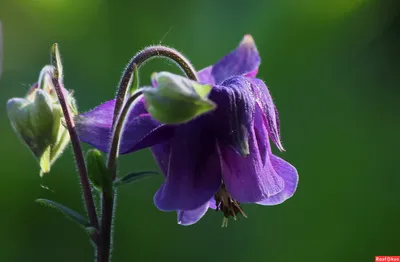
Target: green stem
[[79, 158], [121, 110], [139, 59], [107, 198], [115, 141]]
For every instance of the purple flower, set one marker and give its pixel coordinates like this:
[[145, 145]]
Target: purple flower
[[218, 160]]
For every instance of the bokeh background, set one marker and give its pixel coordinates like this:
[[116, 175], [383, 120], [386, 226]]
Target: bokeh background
[[333, 68]]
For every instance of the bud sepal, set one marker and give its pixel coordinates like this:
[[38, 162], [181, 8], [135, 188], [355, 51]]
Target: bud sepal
[[176, 99]]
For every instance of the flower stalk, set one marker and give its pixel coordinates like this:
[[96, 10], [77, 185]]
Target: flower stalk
[[122, 106], [139, 59], [78, 153]]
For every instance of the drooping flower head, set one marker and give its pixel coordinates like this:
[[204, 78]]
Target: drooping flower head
[[218, 160]]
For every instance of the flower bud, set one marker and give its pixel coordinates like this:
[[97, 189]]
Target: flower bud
[[36, 119], [176, 99], [98, 172]]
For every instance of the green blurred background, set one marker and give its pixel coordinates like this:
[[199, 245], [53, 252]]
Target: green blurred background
[[333, 69]]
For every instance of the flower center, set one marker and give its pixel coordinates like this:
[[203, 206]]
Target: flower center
[[227, 205]]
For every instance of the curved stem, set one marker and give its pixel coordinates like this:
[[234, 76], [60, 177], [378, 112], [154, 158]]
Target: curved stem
[[139, 59], [108, 200], [79, 158], [126, 80], [114, 150], [120, 112]]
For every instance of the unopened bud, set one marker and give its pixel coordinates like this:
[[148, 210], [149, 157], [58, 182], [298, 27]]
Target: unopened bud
[[177, 99], [36, 119], [98, 172]]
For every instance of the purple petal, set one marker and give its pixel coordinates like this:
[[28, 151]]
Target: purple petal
[[94, 127], [289, 175], [194, 171], [271, 117], [261, 136], [252, 178], [252, 73], [141, 130], [161, 153], [205, 76], [233, 118], [212, 204], [190, 217], [244, 60]]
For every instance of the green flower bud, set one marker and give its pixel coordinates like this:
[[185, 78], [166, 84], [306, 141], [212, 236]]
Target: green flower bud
[[36, 119], [176, 99], [98, 172]]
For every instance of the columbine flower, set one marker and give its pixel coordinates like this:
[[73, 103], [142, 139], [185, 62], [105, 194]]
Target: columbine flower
[[218, 160]]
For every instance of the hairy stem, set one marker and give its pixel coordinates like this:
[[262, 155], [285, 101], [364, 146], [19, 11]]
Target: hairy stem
[[108, 199], [121, 110], [139, 59], [127, 78], [104, 249], [79, 158], [115, 141]]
